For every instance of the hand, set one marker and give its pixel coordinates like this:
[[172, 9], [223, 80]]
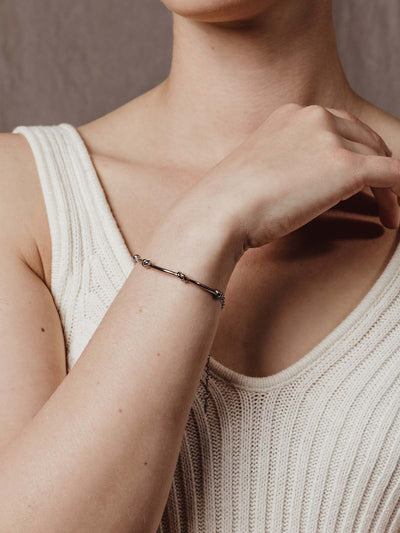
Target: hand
[[299, 163]]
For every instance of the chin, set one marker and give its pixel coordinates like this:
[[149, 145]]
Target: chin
[[218, 10]]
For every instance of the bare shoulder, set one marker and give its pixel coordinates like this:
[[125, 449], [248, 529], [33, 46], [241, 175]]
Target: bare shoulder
[[23, 219], [384, 123]]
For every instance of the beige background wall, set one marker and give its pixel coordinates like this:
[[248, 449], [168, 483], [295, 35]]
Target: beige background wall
[[73, 61]]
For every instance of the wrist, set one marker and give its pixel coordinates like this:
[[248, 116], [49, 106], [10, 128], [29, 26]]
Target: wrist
[[199, 244]]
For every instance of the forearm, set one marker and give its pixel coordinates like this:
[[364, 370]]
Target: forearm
[[100, 455]]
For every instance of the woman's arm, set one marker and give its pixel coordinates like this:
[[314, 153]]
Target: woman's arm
[[100, 453]]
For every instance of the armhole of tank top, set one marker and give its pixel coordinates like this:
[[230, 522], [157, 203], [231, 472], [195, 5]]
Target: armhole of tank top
[[41, 140]]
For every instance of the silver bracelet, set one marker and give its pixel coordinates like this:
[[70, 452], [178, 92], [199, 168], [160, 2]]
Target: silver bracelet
[[214, 292]]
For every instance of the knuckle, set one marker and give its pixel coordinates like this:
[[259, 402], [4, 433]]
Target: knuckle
[[315, 110], [320, 115]]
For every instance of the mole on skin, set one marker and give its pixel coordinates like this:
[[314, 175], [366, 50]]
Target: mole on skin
[[145, 463], [140, 310], [120, 410], [158, 353], [42, 329]]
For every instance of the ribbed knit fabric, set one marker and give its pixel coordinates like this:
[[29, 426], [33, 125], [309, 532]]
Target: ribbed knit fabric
[[313, 448]]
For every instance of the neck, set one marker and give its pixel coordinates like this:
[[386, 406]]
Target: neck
[[225, 79]]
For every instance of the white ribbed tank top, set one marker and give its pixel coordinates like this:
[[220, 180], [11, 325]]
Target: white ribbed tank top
[[313, 448]]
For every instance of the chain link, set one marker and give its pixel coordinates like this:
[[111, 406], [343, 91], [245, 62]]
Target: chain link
[[219, 295]]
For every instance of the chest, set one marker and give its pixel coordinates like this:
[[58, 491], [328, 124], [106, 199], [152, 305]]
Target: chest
[[283, 301], [283, 298]]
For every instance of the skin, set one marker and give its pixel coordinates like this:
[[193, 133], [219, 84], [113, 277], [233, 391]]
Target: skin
[[293, 58], [257, 63]]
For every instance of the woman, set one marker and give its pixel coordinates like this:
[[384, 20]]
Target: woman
[[256, 170]]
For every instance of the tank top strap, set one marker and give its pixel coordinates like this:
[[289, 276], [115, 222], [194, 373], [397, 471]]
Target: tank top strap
[[56, 166], [85, 243]]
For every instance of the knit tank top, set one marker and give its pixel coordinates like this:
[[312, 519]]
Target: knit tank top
[[312, 448]]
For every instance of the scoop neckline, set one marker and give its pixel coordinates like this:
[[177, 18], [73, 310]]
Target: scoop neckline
[[251, 383]]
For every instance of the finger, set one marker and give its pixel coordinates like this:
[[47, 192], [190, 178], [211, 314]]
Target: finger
[[350, 127], [359, 148], [388, 206], [379, 171], [387, 201]]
